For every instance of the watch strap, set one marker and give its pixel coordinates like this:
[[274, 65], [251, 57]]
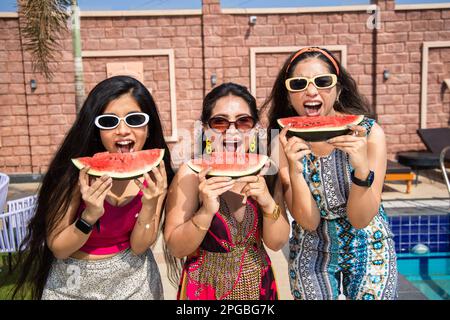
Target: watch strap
[[363, 183], [83, 225]]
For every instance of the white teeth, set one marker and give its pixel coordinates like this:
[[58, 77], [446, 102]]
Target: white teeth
[[124, 143], [312, 104]]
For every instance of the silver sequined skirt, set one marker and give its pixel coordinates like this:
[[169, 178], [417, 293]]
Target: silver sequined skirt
[[125, 276]]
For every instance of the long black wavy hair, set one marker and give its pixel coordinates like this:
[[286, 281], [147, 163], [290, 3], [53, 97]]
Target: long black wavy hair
[[60, 181]]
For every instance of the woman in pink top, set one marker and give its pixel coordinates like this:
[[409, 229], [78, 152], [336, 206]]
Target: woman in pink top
[[90, 238]]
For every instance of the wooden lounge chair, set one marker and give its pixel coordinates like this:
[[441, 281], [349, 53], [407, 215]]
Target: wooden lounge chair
[[398, 172]]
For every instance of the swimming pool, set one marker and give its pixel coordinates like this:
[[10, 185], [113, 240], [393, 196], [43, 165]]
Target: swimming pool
[[430, 273], [433, 230]]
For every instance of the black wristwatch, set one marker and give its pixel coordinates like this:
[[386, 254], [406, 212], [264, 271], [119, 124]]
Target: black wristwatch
[[363, 183], [83, 225]]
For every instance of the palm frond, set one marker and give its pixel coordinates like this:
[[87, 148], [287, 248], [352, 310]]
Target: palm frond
[[44, 22]]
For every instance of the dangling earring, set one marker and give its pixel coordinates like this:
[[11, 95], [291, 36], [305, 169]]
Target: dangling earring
[[208, 146], [337, 98], [253, 143]]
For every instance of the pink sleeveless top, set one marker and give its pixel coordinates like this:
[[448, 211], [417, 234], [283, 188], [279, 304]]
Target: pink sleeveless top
[[116, 226]]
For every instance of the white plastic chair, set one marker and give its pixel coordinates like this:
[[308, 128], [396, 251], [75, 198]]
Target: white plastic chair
[[14, 222], [4, 183]]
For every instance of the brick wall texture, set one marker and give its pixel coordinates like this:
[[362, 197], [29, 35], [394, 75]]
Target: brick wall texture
[[33, 123]]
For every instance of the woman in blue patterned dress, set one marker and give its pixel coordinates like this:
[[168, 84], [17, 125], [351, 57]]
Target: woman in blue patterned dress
[[332, 188]]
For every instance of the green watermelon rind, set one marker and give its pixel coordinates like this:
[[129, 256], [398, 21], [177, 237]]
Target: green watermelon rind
[[121, 175], [321, 134], [232, 173]]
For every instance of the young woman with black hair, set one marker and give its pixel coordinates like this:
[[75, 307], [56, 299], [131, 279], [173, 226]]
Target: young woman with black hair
[[332, 188], [90, 238], [219, 223]]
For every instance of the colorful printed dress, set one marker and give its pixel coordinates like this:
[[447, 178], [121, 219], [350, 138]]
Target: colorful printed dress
[[231, 262], [364, 259]]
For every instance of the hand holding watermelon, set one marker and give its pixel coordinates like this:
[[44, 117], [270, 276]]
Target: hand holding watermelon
[[210, 190], [93, 195], [153, 190], [256, 187], [295, 149], [355, 145]]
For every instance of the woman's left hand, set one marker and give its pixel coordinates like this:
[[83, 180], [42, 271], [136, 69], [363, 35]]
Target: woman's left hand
[[153, 190], [256, 188], [355, 144]]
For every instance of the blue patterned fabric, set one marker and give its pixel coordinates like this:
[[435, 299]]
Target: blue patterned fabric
[[364, 259]]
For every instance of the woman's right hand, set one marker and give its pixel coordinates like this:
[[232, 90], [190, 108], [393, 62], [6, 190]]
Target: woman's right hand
[[210, 189], [93, 194], [294, 149]]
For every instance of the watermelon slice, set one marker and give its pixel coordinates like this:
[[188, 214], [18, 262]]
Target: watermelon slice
[[320, 128], [121, 166], [229, 164]]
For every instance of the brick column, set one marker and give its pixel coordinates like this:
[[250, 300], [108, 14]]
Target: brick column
[[212, 43]]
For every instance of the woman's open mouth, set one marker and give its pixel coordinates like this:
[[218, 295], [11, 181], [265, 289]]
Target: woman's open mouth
[[312, 108], [125, 146], [232, 145]]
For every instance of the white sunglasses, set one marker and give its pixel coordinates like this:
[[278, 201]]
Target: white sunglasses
[[111, 121]]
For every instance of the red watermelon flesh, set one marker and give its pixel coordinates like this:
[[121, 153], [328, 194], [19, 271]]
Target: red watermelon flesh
[[121, 165], [229, 164], [319, 128]]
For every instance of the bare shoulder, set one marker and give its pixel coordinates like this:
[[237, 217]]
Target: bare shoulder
[[376, 133], [185, 179], [185, 172]]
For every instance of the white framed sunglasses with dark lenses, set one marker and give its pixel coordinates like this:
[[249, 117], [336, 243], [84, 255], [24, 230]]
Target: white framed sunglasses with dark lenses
[[322, 81], [111, 121]]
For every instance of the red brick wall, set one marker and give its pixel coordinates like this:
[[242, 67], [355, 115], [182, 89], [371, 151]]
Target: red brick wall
[[183, 34], [399, 47], [14, 133], [32, 124]]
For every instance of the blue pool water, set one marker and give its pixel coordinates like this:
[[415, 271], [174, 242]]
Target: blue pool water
[[430, 273], [431, 230]]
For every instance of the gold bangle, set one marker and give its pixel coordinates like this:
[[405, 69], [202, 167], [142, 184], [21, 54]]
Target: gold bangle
[[197, 226], [275, 214]]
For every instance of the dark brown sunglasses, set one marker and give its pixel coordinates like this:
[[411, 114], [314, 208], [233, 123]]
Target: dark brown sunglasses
[[221, 124]]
